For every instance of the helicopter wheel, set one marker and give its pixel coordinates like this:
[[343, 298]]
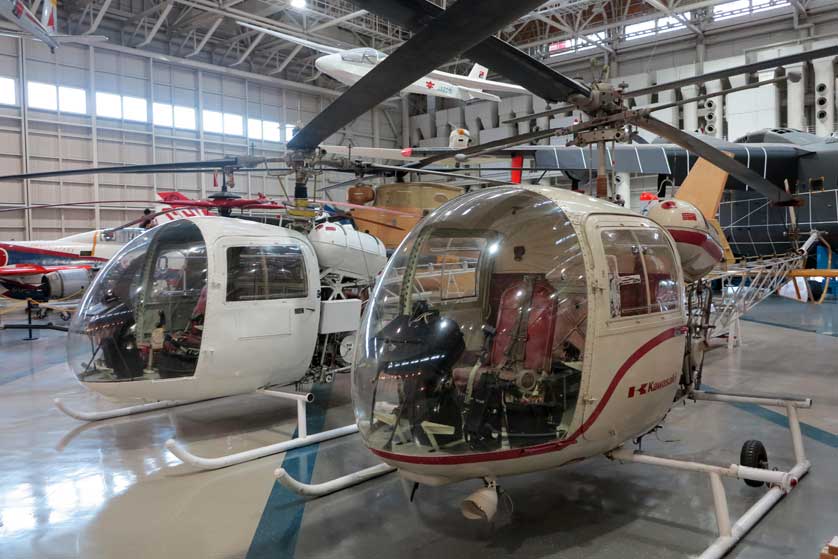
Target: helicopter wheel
[[753, 455]]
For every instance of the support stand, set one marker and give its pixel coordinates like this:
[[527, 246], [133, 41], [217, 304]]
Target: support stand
[[302, 439], [780, 483], [30, 307]]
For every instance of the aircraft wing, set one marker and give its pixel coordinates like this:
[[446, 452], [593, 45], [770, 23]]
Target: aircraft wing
[[293, 38], [475, 83], [17, 270]]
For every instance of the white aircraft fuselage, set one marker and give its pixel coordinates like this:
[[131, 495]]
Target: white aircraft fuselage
[[350, 66]]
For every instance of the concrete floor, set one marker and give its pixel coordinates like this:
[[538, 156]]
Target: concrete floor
[[112, 490]]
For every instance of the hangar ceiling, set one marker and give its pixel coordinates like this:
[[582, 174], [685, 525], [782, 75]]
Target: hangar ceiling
[[207, 31]]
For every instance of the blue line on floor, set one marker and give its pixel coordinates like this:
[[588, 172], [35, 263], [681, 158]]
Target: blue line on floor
[[790, 327], [278, 529], [810, 431]]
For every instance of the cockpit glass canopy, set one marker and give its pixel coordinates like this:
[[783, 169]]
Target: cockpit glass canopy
[[363, 56], [143, 316], [475, 336]]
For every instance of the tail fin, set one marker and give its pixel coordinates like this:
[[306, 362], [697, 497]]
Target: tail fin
[[166, 198], [49, 15], [478, 72]]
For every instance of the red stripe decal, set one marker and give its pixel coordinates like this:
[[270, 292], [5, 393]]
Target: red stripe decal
[[45, 252], [545, 447], [699, 239]]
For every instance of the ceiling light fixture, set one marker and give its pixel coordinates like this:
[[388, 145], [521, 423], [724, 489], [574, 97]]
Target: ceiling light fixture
[[299, 4]]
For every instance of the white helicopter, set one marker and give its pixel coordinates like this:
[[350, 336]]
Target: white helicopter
[[168, 319], [518, 329], [348, 66]]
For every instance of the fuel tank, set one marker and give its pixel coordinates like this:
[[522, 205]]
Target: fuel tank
[[345, 250], [697, 241]]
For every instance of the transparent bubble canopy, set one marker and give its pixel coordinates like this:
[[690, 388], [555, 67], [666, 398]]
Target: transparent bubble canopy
[[143, 316], [474, 339]]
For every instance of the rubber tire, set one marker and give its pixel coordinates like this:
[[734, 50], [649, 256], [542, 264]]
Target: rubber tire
[[754, 455]]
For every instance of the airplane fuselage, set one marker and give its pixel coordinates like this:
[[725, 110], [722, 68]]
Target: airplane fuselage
[[345, 69], [16, 12]]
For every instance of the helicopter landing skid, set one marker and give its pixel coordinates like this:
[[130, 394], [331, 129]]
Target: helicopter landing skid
[[334, 485], [118, 412], [302, 438], [780, 483]]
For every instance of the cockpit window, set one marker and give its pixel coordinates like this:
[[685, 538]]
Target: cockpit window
[[641, 272], [363, 56], [143, 317], [475, 336], [265, 272]]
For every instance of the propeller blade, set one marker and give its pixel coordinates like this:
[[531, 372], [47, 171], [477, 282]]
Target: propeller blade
[[498, 55], [150, 168], [738, 70], [718, 158], [452, 32]]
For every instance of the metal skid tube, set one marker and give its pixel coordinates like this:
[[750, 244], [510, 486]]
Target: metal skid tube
[[331, 486], [302, 439], [232, 459], [118, 412], [781, 482]]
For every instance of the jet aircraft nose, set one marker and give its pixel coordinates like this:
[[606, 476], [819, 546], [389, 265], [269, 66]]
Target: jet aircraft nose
[[327, 64]]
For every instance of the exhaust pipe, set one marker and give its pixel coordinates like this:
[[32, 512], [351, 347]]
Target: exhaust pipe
[[482, 504]]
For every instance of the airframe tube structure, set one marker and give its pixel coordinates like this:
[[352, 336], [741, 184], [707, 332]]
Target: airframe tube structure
[[780, 483], [302, 438]]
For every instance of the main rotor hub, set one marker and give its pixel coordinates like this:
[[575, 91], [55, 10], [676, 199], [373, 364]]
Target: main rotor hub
[[605, 98]]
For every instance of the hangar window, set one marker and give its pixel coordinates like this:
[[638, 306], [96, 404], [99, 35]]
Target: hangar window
[[289, 132], [42, 96], [108, 105], [270, 131], [233, 125], [641, 272], [162, 114], [257, 273], [254, 129], [212, 121], [184, 118], [134, 108], [72, 100], [8, 93]]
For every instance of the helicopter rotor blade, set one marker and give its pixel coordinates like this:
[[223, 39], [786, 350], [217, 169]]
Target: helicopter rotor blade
[[457, 175], [85, 203], [453, 31], [503, 58], [150, 168], [718, 158]]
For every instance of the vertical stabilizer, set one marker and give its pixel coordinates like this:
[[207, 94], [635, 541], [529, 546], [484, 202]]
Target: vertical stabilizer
[[49, 16], [478, 72]]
